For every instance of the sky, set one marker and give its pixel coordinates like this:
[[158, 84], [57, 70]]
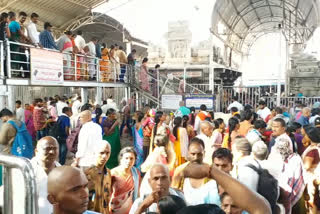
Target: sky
[[148, 19]]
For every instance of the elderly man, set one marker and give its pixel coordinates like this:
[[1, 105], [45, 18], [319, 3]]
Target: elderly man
[[304, 118], [43, 163], [206, 129], [99, 177], [68, 191], [89, 137], [160, 184], [196, 191]]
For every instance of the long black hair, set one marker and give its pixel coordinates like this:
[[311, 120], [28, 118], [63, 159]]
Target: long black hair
[[185, 120], [159, 114], [98, 114], [233, 122], [193, 119], [177, 123]]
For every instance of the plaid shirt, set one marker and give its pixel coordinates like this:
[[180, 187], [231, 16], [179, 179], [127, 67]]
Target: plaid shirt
[[38, 118], [46, 40]]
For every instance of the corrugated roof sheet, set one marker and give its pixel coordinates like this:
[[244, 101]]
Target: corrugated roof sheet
[[58, 12], [247, 20]]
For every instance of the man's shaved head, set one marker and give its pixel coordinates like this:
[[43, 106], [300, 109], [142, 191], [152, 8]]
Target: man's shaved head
[[67, 190], [47, 151], [160, 179], [85, 116]]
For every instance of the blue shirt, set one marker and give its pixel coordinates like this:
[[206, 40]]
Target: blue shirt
[[46, 40], [303, 120], [14, 27], [64, 122], [90, 212]]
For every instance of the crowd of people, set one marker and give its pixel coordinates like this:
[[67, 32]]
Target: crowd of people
[[251, 160], [79, 54]]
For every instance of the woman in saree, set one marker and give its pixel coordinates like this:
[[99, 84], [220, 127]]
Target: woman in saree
[[105, 65], [29, 121], [181, 142], [125, 182], [143, 77], [111, 134], [137, 133]]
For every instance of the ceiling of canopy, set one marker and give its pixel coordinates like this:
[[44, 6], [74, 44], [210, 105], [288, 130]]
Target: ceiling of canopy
[[239, 23]]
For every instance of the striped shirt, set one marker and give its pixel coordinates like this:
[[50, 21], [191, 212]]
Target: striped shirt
[[46, 40]]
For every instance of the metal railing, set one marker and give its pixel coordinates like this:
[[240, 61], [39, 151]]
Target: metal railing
[[76, 67], [10, 166]]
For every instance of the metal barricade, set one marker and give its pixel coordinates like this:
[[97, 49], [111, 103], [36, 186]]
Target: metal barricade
[[10, 166]]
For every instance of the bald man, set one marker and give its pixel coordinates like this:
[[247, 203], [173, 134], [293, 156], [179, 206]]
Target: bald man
[[304, 118], [99, 177], [206, 130], [160, 184], [68, 191], [89, 137], [46, 154]]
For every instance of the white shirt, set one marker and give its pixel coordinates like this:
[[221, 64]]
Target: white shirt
[[42, 189], [209, 147], [111, 104], [104, 108], [206, 194], [154, 206], [92, 48], [263, 113], [80, 42], [33, 33], [60, 105], [246, 175], [236, 104], [90, 136], [20, 114], [198, 121], [75, 107]]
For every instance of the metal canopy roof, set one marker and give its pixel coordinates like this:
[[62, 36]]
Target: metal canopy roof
[[60, 13], [247, 20]]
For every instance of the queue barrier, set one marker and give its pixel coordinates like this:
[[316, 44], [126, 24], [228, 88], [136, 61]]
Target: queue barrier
[[15, 170]]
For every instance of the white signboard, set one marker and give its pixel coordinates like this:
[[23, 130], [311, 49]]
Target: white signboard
[[46, 67], [197, 100], [170, 101]]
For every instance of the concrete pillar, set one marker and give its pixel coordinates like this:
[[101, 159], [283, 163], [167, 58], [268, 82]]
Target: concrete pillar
[[3, 95], [99, 96], [128, 47], [84, 95], [11, 98]]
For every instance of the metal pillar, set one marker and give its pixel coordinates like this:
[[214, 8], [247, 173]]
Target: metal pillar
[[99, 96], [11, 98], [84, 95], [279, 72], [184, 77]]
